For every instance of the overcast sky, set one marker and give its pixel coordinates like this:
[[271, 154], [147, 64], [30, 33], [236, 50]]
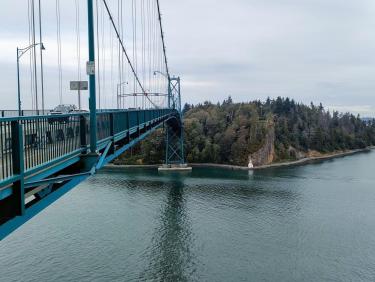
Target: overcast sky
[[310, 50]]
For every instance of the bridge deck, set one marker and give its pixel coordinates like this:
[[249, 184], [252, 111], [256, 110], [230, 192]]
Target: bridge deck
[[42, 157]]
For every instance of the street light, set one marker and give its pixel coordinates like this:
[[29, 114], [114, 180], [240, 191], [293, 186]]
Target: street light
[[20, 53], [119, 86], [169, 85], [163, 74]]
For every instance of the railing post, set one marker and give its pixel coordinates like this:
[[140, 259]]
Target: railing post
[[18, 168], [128, 125], [138, 123], [111, 125], [112, 131], [82, 130]]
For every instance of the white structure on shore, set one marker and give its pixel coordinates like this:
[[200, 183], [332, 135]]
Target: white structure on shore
[[250, 165]]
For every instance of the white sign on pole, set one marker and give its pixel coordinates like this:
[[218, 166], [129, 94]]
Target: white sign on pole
[[90, 68]]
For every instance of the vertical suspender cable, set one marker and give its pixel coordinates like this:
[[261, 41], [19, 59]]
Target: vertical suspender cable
[[119, 60], [78, 48], [59, 61], [34, 51], [123, 78], [125, 52], [98, 51], [142, 49], [134, 24], [126, 102], [149, 44], [41, 56], [112, 84], [31, 56]]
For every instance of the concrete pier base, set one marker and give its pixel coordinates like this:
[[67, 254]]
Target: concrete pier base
[[175, 168]]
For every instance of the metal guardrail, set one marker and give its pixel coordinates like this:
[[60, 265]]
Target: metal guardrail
[[15, 113], [39, 140]]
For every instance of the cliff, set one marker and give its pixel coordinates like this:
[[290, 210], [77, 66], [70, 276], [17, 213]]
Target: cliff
[[266, 154]]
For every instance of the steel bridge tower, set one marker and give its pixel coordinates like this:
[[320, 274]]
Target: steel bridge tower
[[174, 129]]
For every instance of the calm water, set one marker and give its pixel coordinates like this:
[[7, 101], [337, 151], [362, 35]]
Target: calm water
[[308, 223]]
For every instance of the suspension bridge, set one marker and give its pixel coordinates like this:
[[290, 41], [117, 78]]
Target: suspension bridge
[[44, 154]]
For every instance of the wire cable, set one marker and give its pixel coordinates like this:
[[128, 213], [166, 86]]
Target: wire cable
[[31, 70], [78, 39], [125, 52], [34, 53], [98, 52], [59, 49], [162, 39]]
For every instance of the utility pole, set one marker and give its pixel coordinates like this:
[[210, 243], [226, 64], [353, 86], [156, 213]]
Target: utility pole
[[91, 72]]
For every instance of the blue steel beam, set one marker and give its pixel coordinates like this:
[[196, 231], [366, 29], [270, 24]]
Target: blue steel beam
[[11, 225]]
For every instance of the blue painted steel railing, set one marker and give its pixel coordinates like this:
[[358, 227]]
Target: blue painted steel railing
[[15, 113], [43, 155], [47, 138]]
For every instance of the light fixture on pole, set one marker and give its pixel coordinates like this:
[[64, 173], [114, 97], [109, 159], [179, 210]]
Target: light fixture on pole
[[120, 92], [20, 53], [163, 74], [169, 85]]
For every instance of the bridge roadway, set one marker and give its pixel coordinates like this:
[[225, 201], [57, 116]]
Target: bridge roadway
[[43, 157]]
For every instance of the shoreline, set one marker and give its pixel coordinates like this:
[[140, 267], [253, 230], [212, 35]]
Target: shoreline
[[303, 161], [274, 165]]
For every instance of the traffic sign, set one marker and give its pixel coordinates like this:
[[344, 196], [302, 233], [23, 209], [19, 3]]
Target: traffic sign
[[79, 85]]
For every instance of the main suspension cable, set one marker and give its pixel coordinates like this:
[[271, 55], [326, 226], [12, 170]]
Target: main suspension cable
[[163, 41]]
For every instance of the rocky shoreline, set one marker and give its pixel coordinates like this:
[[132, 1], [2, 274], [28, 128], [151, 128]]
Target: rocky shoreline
[[287, 163], [312, 159], [274, 165]]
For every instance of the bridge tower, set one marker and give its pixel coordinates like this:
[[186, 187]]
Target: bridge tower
[[174, 129]]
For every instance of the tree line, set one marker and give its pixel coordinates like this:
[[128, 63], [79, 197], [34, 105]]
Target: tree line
[[228, 132]]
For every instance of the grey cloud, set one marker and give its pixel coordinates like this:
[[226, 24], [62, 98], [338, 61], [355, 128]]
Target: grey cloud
[[310, 50]]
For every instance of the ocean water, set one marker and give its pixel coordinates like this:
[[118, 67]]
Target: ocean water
[[305, 223]]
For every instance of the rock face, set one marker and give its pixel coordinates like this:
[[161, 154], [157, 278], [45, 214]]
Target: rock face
[[266, 154], [295, 154]]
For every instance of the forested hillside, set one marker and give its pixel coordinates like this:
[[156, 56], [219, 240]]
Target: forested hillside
[[272, 131]]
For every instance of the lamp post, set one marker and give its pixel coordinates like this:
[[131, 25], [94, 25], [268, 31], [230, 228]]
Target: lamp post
[[119, 93], [163, 74], [169, 85], [20, 53]]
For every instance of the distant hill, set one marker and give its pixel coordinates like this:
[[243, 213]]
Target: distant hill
[[263, 132]]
